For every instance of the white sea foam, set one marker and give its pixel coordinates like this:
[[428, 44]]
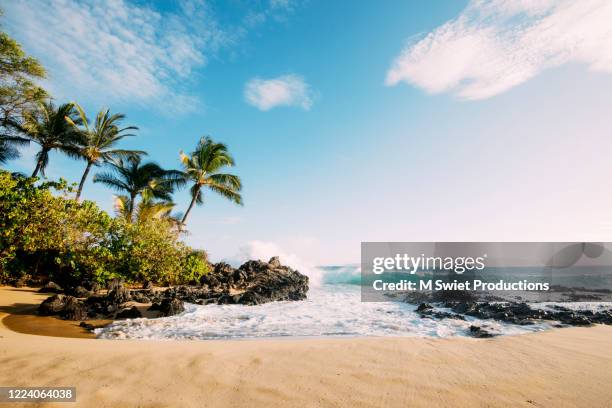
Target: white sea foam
[[592, 306], [330, 310]]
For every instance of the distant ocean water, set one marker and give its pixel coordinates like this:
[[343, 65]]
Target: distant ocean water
[[333, 308]]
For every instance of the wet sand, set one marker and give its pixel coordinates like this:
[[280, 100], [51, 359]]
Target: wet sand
[[22, 317]]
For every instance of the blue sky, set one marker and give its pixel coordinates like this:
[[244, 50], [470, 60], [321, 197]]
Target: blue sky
[[412, 121]]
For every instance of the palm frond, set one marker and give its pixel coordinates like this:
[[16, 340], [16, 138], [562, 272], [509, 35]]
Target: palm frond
[[226, 192], [111, 180], [201, 167], [228, 180]]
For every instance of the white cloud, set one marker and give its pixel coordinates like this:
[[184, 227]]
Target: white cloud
[[114, 50], [287, 90], [123, 51], [495, 45]]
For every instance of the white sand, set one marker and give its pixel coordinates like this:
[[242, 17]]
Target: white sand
[[559, 368]]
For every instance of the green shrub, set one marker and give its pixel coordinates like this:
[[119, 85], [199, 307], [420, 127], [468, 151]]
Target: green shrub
[[52, 235], [195, 265], [150, 251], [47, 234]]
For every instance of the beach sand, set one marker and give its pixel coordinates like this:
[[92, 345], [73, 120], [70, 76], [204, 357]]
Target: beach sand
[[558, 368]]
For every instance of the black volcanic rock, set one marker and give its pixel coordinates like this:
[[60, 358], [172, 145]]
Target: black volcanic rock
[[114, 283], [52, 305], [274, 262], [518, 313], [480, 333], [131, 313], [155, 306], [140, 296], [51, 287], [81, 292], [67, 307], [171, 307], [425, 310], [87, 326], [254, 282], [119, 294], [74, 309], [424, 307]]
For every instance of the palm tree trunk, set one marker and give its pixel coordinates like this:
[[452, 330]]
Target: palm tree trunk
[[131, 206], [193, 200], [82, 183], [39, 163]]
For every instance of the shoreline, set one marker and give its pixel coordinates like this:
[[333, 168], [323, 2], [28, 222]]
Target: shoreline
[[547, 369], [18, 313], [21, 317]]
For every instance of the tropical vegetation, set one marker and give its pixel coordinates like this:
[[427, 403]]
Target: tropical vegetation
[[47, 231], [97, 142], [18, 93], [202, 168]]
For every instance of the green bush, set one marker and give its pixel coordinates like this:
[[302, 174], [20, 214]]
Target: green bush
[[52, 235], [195, 265], [150, 251]]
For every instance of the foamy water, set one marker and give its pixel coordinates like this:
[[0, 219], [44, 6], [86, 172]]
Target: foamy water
[[330, 310]]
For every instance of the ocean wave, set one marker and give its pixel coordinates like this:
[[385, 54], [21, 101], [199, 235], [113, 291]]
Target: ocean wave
[[330, 310]]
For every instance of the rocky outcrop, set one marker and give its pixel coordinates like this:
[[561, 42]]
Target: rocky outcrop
[[84, 290], [253, 283], [67, 307], [427, 310], [515, 313]]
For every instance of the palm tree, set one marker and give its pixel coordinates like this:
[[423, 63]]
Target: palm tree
[[148, 180], [52, 129], [8, 144], [145, 210], [99, 140], [202, 168]]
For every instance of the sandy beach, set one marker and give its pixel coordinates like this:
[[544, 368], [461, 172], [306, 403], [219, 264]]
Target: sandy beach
[[558, 368]]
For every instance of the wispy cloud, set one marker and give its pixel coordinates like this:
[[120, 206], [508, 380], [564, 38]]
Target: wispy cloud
[[276, 10], [286, 90], [123, 51], [114, 50], [495, 45]]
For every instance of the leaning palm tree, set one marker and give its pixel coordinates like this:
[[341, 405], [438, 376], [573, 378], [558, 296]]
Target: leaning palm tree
[[202, 168], [148, 180], [99, 139], [51, 128]]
